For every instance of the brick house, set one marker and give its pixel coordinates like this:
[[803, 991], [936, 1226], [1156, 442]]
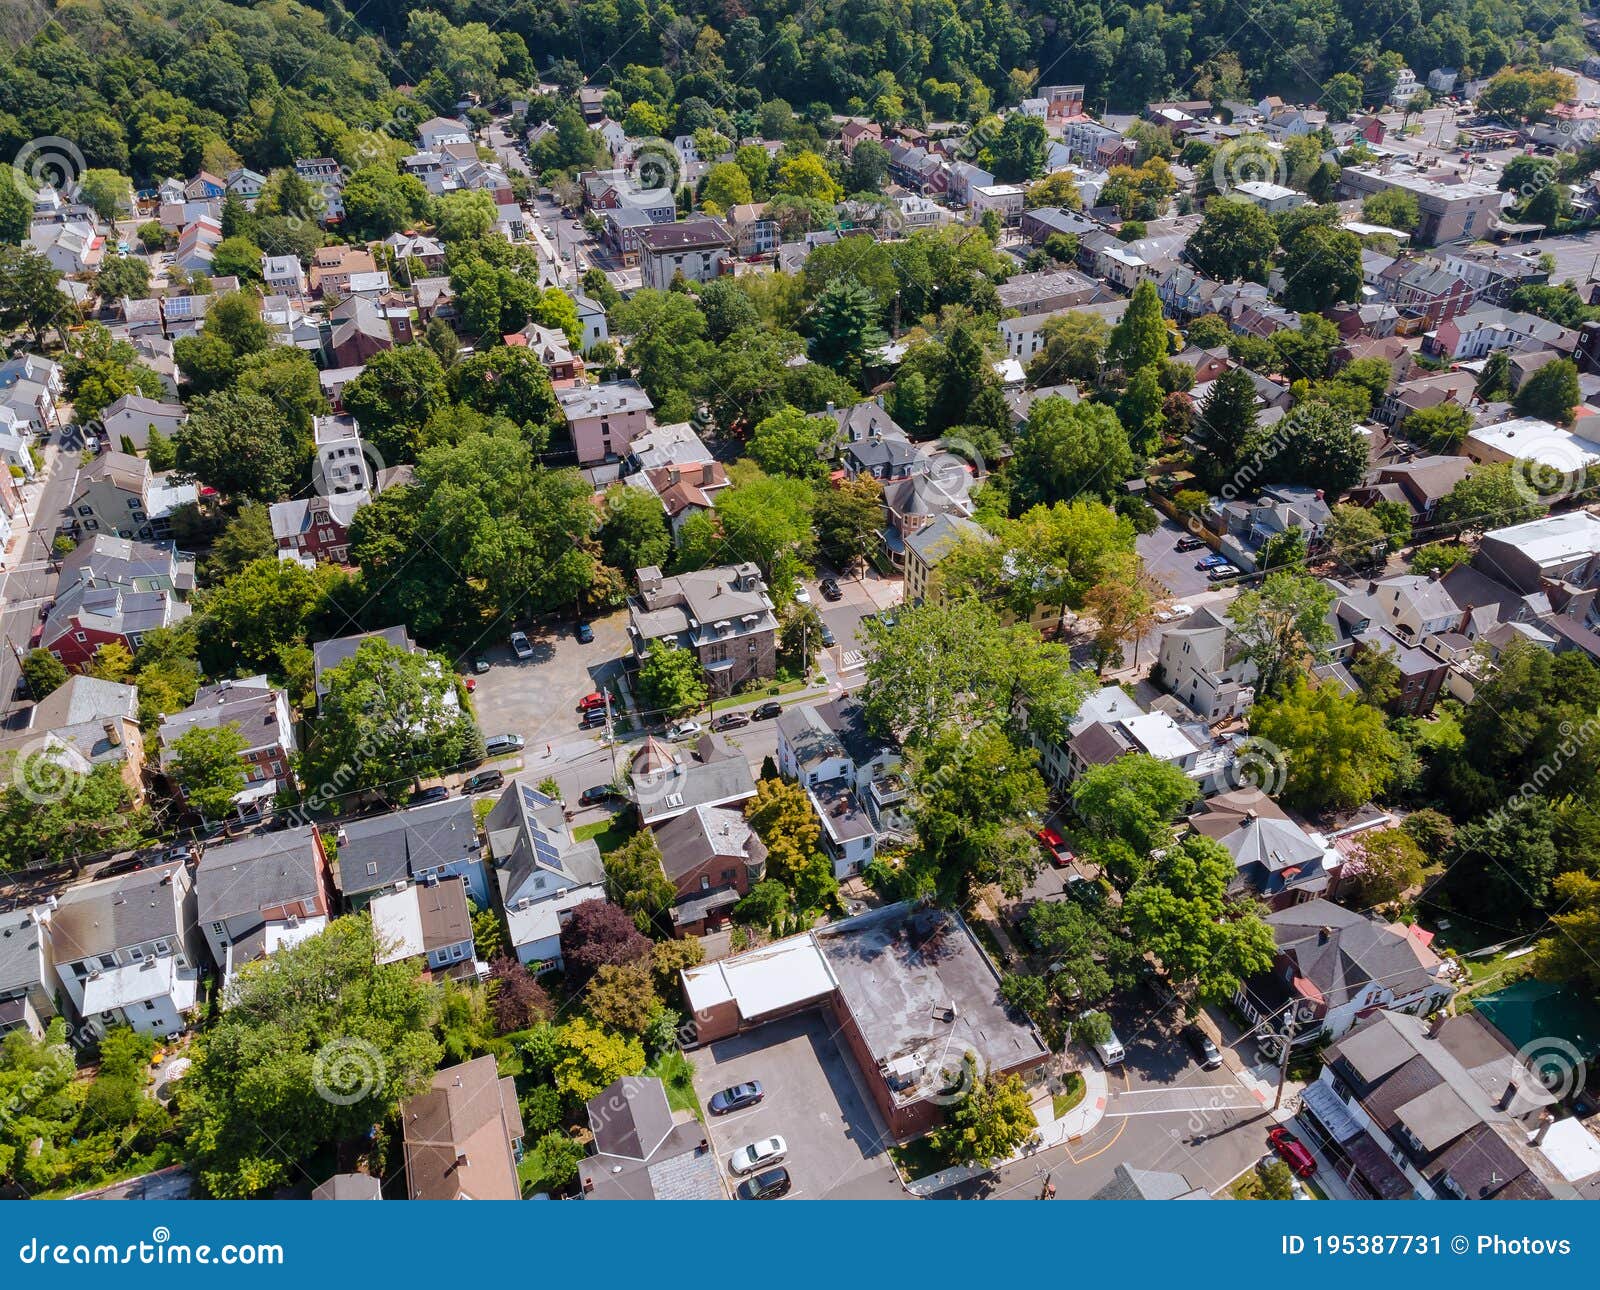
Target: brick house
[[724, 615], [260, 713], [712, 858]]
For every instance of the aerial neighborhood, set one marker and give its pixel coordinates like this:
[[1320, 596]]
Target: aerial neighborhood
[[797, 612]]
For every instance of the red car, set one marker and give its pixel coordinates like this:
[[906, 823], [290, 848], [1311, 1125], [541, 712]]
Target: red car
[[1060, 853], [471, 684], [595, 700], [1293, 1151]]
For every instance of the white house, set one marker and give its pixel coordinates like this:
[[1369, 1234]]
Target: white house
[[1200, 666], [283, 274], [542, 872]]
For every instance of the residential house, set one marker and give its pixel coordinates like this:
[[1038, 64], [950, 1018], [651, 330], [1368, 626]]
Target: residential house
[[754, 233], [667, 781], [118, 493], [1200, 663], [643, 1150], [852, 778], [83, 724], [463, 1137], [1005, 200], [1246, 527], [723, 614], [684, 490], [1049, 291], [85, 617], [1416, 606], [542, 872], [129, 419], [127, 950], [943, 487], [71, 248], [1270, 197], [413, 847], [592, 318], [103, 560], [437, 131], [603, 420], [927, 546], [554, 351], [697, 249], [326, 177], [1275, 860], [1420, 483], [333, 266], [1109, 724], [260, 713], [283, 274], [1481, 331], [27, 974], [1361, 623], [853, 132], [712, 857], [422, 255], [358, 330], [429, 920], [1128, 1183], [197, 245], [1409, 1109], [257, 894], [870, 442]]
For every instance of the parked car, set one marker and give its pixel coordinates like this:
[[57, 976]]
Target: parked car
[[1222, 573], [828, 639], [1190, 543], [482, 782], [736, 1098], [595, 700], [520, 646], [1110, 1048], [731, 721], [1060, 853], [591, 718], [480, 665], [766, 711], [433, 793], [585, 634], [830, 589], [758, 1155], [1297, 1189], [595, 794], [1204, 1050], [768, 1186], [500, 745], [1295, 1153], [801, 595], [684, 729], [1211, 561]]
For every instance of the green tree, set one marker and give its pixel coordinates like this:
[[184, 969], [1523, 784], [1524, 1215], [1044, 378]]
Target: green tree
[[1140, 337], [1489, 498], [1387, 864], [849, 521], [633, 530], [319, 1043], [1336, 747], [1181, 913], [44, 672], [672, 682], [1393, 208], [49, 811], [1551, 392], [240, 444], [123, 277], [1067, 450], [388, 718], [393, 397], [30, 293], [635, 882], [725, 187], [845, 332], [1357, 536], [1282, 625], [789, 442], [1226, 424], [1071, 347], [1321, 267], [1134, 799], [1235, 240], [206, 764], [589, 1059], [991, 1119], [1442, 427]]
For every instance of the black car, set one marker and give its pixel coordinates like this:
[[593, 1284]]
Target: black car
[[592, 718], [483, 780], [766, 1186], [433, 793], [736, 1098], [830, 589], [1189, 544], [596, 794], [730, 721], [766, 711], [828, 639], [1206, 1052]]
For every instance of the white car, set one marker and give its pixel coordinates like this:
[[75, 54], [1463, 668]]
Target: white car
[[758, 1155], [801, 595], [683, 730], [520, 646], [1174, 612]]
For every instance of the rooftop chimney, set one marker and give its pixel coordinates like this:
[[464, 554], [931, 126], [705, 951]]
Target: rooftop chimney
[[113, 734], [1508, 1097], [1324, 935]]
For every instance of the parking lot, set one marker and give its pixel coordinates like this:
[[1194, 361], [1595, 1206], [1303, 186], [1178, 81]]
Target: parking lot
[[869, 594], [1172, 568], [837, 1144], [537, 697]]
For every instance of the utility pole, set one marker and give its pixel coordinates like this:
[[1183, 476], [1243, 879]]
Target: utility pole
[[1286, 1041]]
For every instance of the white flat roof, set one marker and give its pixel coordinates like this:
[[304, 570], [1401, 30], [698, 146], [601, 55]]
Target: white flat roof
[[120, 987], [397, 925], [1532, 439], [1160, 736], [783, 975], [1572, 1149], [1553, 538]]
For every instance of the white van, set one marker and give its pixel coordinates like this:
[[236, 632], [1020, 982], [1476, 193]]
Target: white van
[[1110, 1049]]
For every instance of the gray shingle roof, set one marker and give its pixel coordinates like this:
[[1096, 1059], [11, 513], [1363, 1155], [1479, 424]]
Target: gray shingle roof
[[405, 844], [258, 872]]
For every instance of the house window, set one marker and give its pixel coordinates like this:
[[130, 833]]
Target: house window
[[163, 948], [705, 883], [137, 955]]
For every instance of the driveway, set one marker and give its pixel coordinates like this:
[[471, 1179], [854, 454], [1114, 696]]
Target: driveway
[[1172, 568], [837, 1144], [537, 698], [869, 594]]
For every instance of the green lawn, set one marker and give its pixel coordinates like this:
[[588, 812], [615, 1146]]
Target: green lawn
[[676, 1071], [533, 1173], [609, 834], [1064, 1102], [919, 1158]]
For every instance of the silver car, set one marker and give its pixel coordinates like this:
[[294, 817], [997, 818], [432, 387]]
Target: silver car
[[758, 1155]]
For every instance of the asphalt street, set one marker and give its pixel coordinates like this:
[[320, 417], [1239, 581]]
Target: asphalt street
[[30, 580]]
